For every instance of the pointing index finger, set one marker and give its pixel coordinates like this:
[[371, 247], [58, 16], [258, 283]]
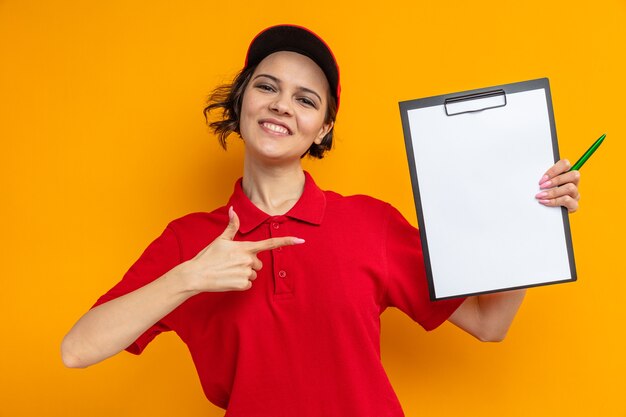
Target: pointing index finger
[[274, 243]]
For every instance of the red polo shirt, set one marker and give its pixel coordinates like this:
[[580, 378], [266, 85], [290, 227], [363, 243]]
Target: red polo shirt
[[305, 339]]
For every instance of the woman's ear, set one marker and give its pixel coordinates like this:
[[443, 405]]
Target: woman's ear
[[327, 127]]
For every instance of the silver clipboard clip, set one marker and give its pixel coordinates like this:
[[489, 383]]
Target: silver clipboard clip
[[471, 103]]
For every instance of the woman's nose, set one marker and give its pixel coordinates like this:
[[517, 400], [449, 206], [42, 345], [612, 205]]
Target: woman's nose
[[281, 105]]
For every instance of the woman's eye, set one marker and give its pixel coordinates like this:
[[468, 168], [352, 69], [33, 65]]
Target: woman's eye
[[307, 101], [265, 87]]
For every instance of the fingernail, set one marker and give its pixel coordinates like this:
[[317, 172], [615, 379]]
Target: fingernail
[[544, 179], [297, 240], [231, 212], [544, 201], [541, 194], [546, 184]]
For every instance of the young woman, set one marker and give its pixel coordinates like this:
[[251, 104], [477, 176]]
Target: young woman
[[278, 293]]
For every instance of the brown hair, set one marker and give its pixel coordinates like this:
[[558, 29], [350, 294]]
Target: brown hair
[[229, 98]]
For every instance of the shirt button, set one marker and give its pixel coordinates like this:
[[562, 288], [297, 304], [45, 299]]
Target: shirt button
[[275, 225], [282, 274], [279, 249]]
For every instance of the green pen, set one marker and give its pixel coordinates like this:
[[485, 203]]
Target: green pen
[[588, 154]]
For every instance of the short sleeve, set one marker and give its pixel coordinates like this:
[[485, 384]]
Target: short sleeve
[[407, 286], [159, 257]]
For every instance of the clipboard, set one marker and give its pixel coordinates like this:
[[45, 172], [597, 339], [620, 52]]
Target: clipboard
[[475, 159]]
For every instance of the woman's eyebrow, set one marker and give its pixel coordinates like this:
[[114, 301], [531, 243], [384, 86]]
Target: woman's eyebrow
[[277, 81], [271, 77]]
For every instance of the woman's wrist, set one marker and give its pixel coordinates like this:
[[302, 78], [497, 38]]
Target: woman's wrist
[[182, 279]]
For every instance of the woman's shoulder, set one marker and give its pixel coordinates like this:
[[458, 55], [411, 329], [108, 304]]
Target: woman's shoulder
[[361, 202], [200, 221]]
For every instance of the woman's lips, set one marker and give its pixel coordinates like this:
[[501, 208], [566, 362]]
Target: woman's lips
[[275, 127]]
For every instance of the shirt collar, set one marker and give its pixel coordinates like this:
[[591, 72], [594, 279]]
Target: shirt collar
[[309, 208]]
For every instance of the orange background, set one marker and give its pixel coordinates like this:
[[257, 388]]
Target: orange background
[[103, 142]]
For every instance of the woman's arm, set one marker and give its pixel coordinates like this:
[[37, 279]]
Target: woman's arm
[[489, 316], [224, 265], [111, 327]]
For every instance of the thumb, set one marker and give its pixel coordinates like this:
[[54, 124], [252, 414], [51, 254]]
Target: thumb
[[233, 225]]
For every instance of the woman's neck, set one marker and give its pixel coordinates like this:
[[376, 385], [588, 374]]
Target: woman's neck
[[275, 189]]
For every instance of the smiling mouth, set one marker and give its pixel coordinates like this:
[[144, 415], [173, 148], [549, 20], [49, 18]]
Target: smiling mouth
[[275, 128]]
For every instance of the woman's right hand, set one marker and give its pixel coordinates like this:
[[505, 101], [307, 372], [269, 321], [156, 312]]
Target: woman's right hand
[[226, 264]]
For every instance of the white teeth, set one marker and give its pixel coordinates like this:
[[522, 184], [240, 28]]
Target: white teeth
[[276, 128]]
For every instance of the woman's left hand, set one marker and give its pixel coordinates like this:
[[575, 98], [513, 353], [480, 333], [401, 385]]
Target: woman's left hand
[[559, 187]]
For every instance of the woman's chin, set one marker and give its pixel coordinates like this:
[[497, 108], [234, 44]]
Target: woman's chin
[[274, 153]]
